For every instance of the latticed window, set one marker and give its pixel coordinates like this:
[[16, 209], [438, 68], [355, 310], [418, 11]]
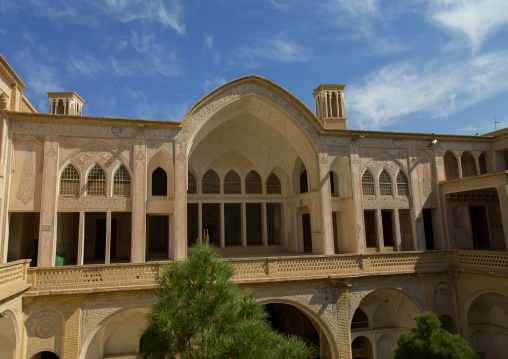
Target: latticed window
[[69, 182], [191, 183], [211, 182], [96, 183], [385, 184], [253, 183], [232, 183], [402, 185], [122, 182], [368, 184], [273, 184]]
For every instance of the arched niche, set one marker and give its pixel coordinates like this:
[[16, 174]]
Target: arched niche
[[8, 337], [162, 161], [451, 166], [258, 130], [385, 345], [45, 355], [361, 347], [342, 177], [119, 333], [291, 318], [487, 321], [468, 164]]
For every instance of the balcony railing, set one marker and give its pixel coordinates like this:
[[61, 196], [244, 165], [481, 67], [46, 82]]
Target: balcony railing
[[98, 278], [13, 278]]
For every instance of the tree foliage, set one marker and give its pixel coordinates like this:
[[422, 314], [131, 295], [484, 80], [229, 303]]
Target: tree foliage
[[427, 340], [200, 313]]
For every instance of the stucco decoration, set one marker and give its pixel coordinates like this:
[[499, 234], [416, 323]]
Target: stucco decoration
[[92, 314], [414, 290], [98, 152], [26, 185], [94, 204], [267, 91], [384, 160], [154, 146], [76, 129], [321, 301], [385, 203], [44, 327], [335, 151]]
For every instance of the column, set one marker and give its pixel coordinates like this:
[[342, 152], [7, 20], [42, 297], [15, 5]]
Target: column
[[81, 238], [379, 231], [108, 237], [326, 207], [200, 221], [264, 227], [356, 185], [222, 226], [180, 220], [244, 224], [502, 192], [49, 197], [398, 242], [459, 164], [139, 185]]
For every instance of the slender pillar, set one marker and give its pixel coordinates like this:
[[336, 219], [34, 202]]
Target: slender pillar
[[108, 238], [379, 231], [264, 227], [200, 221], [502, 192], [81, 238], [139, 185], [244, 224], [222, 226], [396, 221], [180, 220], [49, 197]]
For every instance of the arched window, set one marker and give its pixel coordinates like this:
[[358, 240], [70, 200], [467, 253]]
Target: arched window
[[360, 320], [159, 182], [385, 184], [232, 183], [368, 184], [192, 186], [69, 181], [96, 183], [122, 182], [482, 162], [253, 183], [273, 184], [304, 185], [402, 185], [211, 182]]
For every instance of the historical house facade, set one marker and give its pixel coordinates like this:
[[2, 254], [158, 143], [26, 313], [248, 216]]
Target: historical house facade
[[343, 234]]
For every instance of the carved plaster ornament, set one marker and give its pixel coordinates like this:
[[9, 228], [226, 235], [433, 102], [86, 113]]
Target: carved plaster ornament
[[26, 186]]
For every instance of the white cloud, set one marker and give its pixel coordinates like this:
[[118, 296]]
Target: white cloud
[[85, 63], [475, 20], [276, 49], [209, 42], [434, 89], [213, 82], [169, 13]]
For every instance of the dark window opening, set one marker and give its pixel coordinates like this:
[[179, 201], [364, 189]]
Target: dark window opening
[[370, 228], [429, 231], [307, 233], [159, 182], [386, 217]]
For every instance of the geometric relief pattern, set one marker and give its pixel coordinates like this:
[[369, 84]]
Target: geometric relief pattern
[[154, 146], [95, 204], [44, 327], [26, 185], [92, 314], [321, 301], [267, 91], [414, 290], [384, 160]]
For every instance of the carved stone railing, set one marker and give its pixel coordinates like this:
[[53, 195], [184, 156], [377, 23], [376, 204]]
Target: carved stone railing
[[97, 278], [13, 278]]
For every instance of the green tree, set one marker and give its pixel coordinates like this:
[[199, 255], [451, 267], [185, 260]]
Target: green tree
[[427, 340], [200, 313]]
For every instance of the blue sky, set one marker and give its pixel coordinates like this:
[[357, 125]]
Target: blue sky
[[414, 66]]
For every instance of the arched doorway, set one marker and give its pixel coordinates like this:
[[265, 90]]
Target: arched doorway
[[119, 333], [382, 316], [45, 355], [487, 320], [7, 337], [361, 348], [290, 320]]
